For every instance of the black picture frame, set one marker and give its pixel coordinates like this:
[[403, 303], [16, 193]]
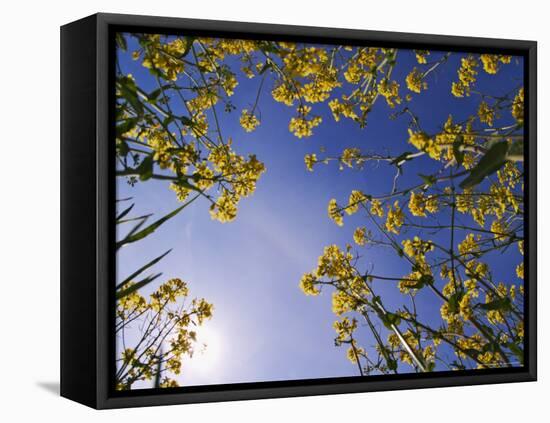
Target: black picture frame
[[87, 194]]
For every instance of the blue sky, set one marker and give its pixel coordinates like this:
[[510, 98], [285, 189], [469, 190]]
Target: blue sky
[[266, 328]]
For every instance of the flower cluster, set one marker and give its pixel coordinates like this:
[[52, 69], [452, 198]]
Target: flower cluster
[[419, 204], [165, 320], [395, 218], [302, 125], [491, 62], [249, 121], [486, 114], [415, 81], [466, 77]]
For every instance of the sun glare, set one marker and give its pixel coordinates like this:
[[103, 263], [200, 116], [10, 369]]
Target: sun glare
[[207, 356]]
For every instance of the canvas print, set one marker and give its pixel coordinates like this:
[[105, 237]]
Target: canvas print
[[288, 210]]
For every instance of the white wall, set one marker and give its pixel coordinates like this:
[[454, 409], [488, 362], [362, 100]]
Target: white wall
[[29, 166]]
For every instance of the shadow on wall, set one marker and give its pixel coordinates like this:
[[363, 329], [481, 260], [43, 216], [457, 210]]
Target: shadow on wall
[[50, 387]]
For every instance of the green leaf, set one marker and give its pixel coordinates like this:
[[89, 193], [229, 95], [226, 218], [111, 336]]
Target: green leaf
[[167, 121], [154, 95], [122, 148], [393, 319], [153, 226], [501, 304], [392, 364], [428, 179], [126, 125], [516, 150], [427, 279], [124, 213], [472, 352], [399, 160], [454, 302], [186, 121], [134, 230], [124, 292], [457, 151], [268, 47], [516, 350], [265, 67], [133, 219], [422, 282], [121, 41], [489, 347], [157, 73], [121, 200], [188, 44], [142, 269], [128, 90], [145, 168], [492, 161]]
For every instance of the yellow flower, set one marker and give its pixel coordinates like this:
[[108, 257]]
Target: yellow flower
[[465, 306], [335, 213], [423, 142], [307, 284], [249, 121], [302, 126], [376, 208], [499, 229], [517, 106], [344, 329], [203, 309], [519, 270], [465, 201], [128, 355], [354, 353], [466, 76], [164, 56], [395, 218], [491, 62], [181, 192], [161, 143], [349, 155], [204, 176], [414, 81], [390, 91], [342, 108], [225, 208], [421, 56], [359, 236], [469, 245], [284, 93], [418, 139], [353, 73], [319, 90], [205, 99], [419, 204], [520, 329], [355, 199], [310, 160], [168, 383], [485, 113], [417, 248], [342, 302]]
